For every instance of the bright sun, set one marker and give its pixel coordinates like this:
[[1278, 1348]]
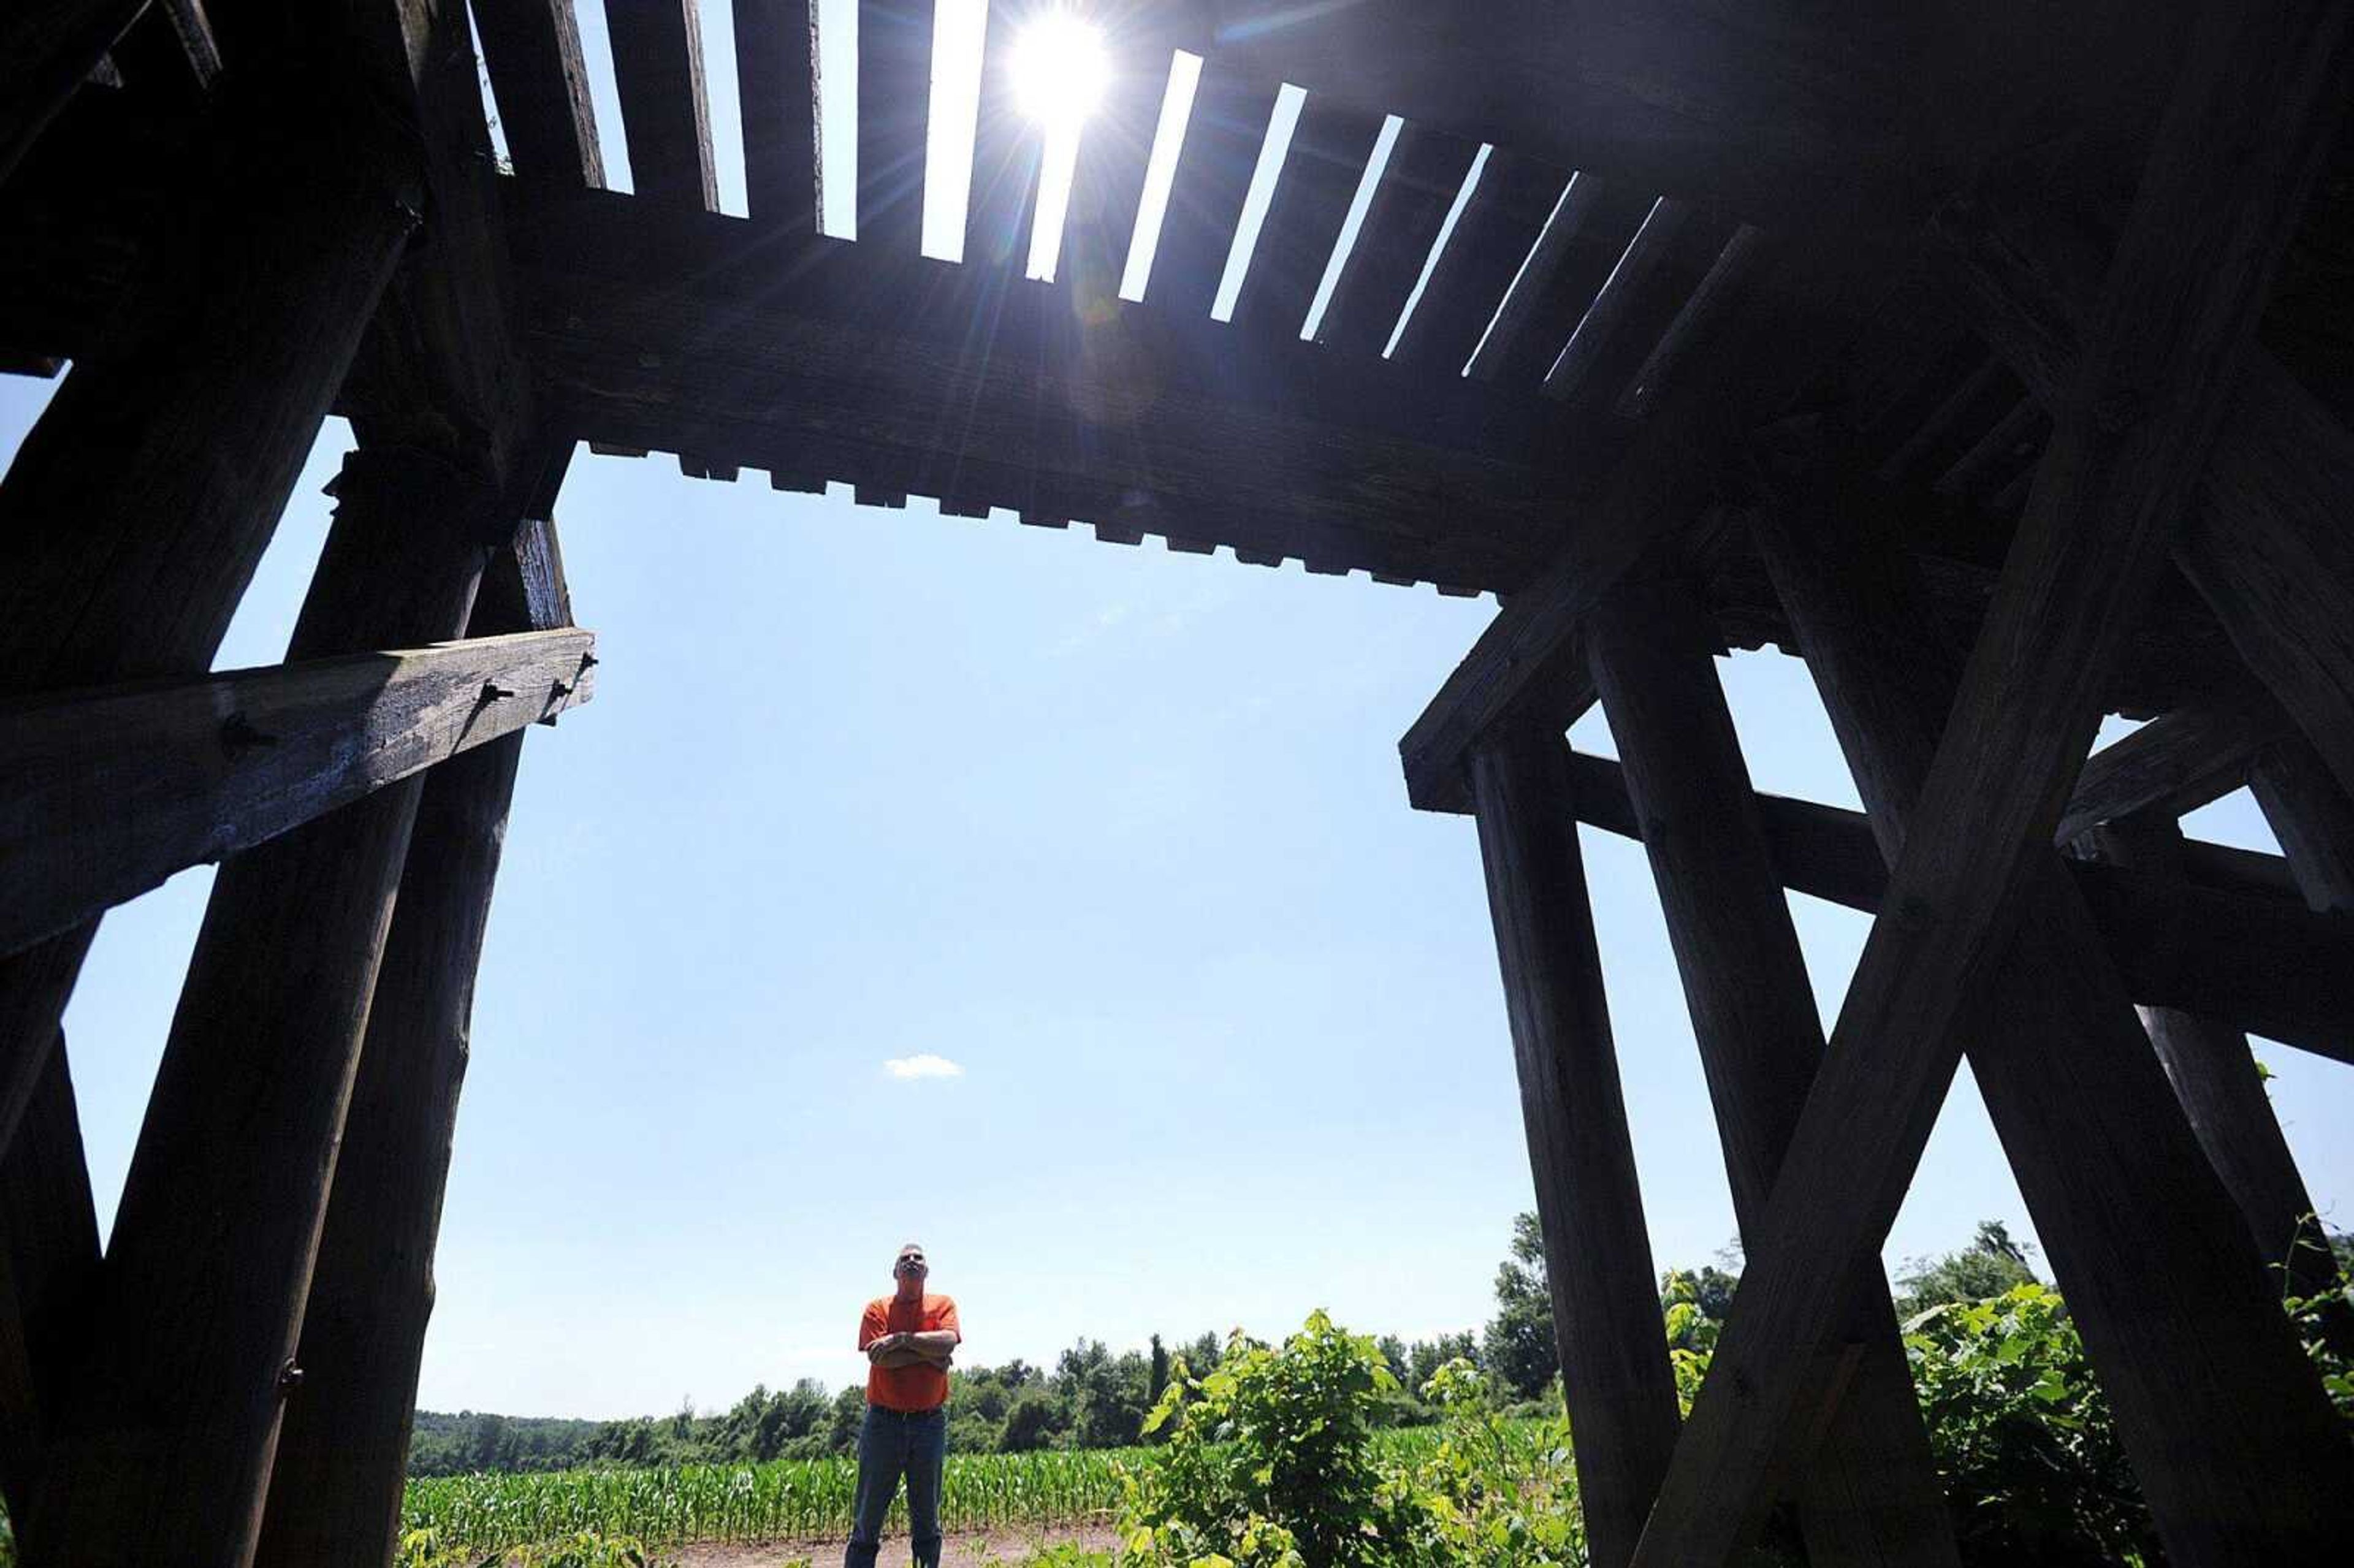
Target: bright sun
[[1058, 69]]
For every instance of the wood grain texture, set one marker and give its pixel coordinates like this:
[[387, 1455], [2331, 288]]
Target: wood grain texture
[[676, 334], [1525, 660], [532, 50], [1868, 1492], [336, 1489], [776, 78], [2160, 1274], [2313, 818], [48, 49], [110, 792], [2233, 944], [2171, 765], [1606, 1324], [209, 1260], [2214, 1076], [657, 47], [2263, 539]]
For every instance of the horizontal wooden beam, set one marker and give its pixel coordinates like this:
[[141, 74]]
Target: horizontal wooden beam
[[772, 348], [2244, 955], [2171, 765], [108, 792], [1525, 667]]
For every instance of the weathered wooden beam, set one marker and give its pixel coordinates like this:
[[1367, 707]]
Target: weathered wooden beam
[[895, 73], [1153, 421], [776, 77], [1330, 145], [1139, 39], [210, 1257], [139, 504], [657, 47], [1619, 299], [48, 49], [49, 1262], [336, 1487], [1869, 1494], [532, 49], [1606, 1326], [108, 792], [2313, 818], [1007, 150], [2231, 944], [2214, 1076], [1525, 664], [1424, 172], [2251, 109], [2171, 765], [1492, 240], [1667, 96], [1223, 137], [2263, 539], [1700, 318]]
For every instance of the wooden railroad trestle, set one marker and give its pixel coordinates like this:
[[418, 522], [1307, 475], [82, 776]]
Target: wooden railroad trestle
[[2001, 373]]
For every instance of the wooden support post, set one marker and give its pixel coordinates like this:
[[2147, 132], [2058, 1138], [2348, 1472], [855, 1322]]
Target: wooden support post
[[2314, 819], [139, 504], [1870, 1493], [166, 1449], [2214, 1076], [1605, 1308], [2160, 1273], [48, 1263], [2171, 765], [2231, 945], [2253, 107], [336, 1489]]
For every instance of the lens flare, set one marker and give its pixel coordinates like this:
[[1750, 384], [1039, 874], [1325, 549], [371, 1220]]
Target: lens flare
[[1058, 69]]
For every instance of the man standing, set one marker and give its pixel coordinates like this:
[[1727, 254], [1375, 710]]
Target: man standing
[[909, 1338]]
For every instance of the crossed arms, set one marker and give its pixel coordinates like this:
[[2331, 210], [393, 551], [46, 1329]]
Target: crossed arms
[[929, 1347]]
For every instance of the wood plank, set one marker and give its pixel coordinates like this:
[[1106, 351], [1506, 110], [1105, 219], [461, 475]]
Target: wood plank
[[110, 791], [1870, 1494], [895, 95], [1761, 116], [2214, 1076], [1147, 421], [1618, 301], [776, 88], [48, 49], [49, 1264], [2263, 541], [1426, 169], [1001, 204], [1223, 137], [2237, 951], [337, 1485], [2173, 764], [2207, 227], [1606, 1326], [1331, 146], [210, 1257], [1572, 261], [1525, 661], [532, 50], [1491, 240], [1140, 38], [2313, 818], [138, 505], [657, 46], [1700, 317]]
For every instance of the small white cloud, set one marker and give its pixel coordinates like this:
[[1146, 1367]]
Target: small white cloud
[[924, 1066]]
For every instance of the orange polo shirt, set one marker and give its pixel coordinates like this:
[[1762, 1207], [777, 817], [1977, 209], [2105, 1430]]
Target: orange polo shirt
[[906, 1388]]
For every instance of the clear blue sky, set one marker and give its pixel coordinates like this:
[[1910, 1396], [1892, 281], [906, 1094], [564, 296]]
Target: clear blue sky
[[1118, 832]]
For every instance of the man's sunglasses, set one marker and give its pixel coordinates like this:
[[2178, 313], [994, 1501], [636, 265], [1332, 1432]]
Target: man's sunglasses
[[908, 1263]]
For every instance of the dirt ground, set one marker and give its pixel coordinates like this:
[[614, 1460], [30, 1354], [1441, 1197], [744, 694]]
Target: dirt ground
[[1003, 1547]]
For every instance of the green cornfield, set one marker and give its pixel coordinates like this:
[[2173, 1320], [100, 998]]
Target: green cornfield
[[788, 1498]]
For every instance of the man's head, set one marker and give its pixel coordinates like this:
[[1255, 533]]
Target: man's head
[[908, 1270]]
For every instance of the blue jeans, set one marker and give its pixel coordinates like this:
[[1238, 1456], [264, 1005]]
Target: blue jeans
[[892, 1442]]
